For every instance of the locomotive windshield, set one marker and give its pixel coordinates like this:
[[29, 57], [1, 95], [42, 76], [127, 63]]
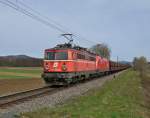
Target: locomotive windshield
[[56, 56]]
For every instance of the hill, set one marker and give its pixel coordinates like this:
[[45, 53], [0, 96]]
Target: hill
[[20, 61], [125, 62]]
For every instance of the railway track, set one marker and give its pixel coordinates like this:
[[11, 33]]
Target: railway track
[[15, 98], [12, 99]]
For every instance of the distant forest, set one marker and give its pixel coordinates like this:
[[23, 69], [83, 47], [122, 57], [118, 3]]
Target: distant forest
[[20, 61]]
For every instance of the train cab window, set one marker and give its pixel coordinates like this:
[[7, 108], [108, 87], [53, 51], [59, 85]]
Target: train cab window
[[50, 55], [61, 56], [56, 55]]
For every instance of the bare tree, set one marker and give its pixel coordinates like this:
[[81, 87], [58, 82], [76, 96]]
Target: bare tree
[[102, 50], [140, 65]]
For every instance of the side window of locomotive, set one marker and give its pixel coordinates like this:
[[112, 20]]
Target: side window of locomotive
[[92, 58], [83, 57], [74, 57], [80, 56]]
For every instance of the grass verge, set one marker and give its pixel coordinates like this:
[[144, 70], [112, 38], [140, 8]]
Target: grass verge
[[118, 98], [145, 80]]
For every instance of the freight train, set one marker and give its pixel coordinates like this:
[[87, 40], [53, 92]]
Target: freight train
[[66, 64]]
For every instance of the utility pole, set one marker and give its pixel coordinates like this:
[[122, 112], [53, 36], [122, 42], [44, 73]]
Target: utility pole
[[117, 60]]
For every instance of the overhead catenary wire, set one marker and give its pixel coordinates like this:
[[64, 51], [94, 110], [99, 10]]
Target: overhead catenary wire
[[35, 17], [37, 12], [56, 23], [47, 21], [41, 15]]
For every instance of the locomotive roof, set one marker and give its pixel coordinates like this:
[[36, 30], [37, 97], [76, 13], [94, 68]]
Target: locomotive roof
[[70, 46]]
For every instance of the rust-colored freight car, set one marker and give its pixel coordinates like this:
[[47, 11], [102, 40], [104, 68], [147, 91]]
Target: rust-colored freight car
[[116, 66]]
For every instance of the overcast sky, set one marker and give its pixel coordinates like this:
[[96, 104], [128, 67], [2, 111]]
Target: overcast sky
[[122, 24]]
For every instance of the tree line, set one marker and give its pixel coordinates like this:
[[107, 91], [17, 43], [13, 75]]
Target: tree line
[[15, 61]]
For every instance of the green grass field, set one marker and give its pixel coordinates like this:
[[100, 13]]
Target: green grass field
[[20, 72], [118, 98], [148, 71]]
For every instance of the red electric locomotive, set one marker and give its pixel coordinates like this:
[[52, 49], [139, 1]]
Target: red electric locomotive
[[65, 64]]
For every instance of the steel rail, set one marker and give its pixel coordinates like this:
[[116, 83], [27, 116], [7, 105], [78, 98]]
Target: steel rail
[[22, 96]]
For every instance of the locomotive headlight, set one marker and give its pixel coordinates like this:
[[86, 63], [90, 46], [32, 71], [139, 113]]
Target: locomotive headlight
[[64, 67], [46, 66]]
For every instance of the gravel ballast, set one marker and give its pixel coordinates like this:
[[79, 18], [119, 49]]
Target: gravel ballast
[[55, 98]]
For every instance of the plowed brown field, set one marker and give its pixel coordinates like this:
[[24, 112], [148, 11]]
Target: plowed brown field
[[9, 86]]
